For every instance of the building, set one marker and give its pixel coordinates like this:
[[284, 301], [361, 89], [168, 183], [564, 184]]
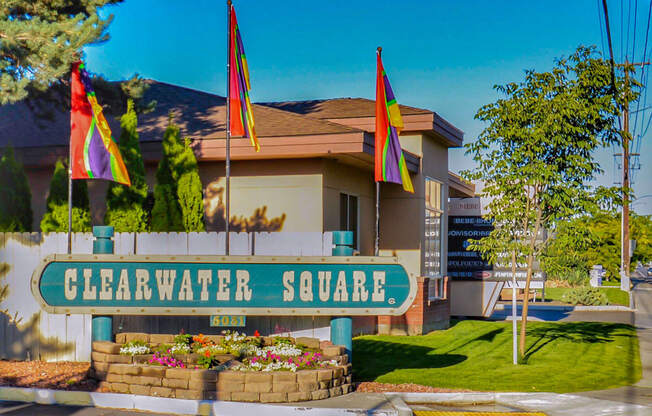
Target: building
[[314, 173]]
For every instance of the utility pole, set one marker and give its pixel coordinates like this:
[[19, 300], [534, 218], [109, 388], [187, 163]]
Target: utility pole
[[624, 231], [624, 246]]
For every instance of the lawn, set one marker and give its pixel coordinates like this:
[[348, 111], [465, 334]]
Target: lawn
[[615, 295], [477, 355]]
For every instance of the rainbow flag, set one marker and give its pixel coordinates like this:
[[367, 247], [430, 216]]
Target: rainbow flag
[[241, 116], [390, 162], [95, 155]]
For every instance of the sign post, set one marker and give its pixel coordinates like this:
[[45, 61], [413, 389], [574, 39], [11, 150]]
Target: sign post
[[102, 326], [342, 326]]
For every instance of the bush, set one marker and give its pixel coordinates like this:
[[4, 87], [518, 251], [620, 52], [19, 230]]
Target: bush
[[590, 296]]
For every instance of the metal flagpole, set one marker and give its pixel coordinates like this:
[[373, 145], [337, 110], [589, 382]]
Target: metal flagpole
[[377, 244], [70, 198], [228, 124]]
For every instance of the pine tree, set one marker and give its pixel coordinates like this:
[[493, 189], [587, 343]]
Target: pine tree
[[15, 195], [179, 204], [166, 213], [41, 39], [125, 205], [56, 215], [189, 189]]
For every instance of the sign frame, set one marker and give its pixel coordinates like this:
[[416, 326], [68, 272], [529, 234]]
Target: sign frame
[[212, 259]]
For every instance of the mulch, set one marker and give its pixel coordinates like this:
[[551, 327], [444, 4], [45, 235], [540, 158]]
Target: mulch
[[62, 375], [66, 375]]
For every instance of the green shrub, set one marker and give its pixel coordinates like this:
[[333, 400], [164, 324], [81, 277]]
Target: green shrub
[[576, 277], [590, 296], [183, 339]]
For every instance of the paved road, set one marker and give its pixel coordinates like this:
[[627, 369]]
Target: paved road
[[30, 409]]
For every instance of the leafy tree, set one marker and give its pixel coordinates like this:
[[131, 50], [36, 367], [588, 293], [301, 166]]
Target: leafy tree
[[587, 240], [535, 157], [41, 38], [15, 195], [178, 196], [125, 205], [56, 215]]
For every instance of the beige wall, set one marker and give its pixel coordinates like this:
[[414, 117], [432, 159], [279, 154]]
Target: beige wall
[[341, 178], [290, 187], [402, 221]]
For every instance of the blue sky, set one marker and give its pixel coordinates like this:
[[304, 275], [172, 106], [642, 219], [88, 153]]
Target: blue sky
[[441, 55]]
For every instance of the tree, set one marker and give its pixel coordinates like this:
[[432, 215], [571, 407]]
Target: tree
[[56, 214], [15, 195], [125, 205], [40, 39], [582, 242], [536, 156], [189, 189], [178, 196]]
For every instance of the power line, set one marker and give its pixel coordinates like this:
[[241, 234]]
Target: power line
[[647, 32], [604, 52]]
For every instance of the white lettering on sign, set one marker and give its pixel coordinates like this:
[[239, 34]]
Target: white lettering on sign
[[143, 290], [359, 292], [106, 291], [204, 278], [324, 285], [70, 276], [378, 294], [185, 292], [223, 279], [311, 285], [341, 294], [123, 292], [242, 290], [305, 286], [165, 283], [90, 293], [288, 281]]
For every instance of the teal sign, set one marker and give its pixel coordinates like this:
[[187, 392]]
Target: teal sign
[[228, 285]]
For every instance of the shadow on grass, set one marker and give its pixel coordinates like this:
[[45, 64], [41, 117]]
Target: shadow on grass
[[373, 358], [580, 332]]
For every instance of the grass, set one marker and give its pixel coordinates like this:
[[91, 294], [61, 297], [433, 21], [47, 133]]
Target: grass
[[477, 355], [615, 295]]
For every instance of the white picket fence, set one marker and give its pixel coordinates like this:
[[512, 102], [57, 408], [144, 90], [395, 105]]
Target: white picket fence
[[27, 332]]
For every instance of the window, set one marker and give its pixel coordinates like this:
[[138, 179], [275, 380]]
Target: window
[[349, 216], [432, 247]]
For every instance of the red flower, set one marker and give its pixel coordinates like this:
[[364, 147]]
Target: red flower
[[256, 333], [207, 353]]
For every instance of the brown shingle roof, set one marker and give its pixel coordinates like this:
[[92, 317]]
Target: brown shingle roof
[[199, 115], [338, 108]]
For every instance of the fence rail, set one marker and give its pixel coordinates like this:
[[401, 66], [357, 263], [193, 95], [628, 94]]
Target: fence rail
[[27, 332]]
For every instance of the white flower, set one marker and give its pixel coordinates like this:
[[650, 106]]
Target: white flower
[[134, 350], [180, 349]]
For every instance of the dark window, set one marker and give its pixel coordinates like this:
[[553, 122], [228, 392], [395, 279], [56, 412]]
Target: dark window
[[349, 216]]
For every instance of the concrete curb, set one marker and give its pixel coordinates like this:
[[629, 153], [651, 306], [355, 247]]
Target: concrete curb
[[183, 406], [552, 404]]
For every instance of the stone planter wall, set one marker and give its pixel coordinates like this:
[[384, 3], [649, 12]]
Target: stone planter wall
[[125, 374]]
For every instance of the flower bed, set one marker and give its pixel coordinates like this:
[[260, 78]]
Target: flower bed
[[225, 367]]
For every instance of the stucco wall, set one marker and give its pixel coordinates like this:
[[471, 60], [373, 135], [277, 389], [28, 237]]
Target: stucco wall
[[283, 187], [340, 178]]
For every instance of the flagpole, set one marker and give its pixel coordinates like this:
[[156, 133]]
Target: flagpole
[[70, 199], [376, 246], [377, 242], [228, 124]]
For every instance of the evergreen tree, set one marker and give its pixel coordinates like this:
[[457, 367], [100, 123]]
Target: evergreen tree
[[56, 215], [15, 195], [41, 39], [178, 196], [189, 189], [166, 213], [125, 205]]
